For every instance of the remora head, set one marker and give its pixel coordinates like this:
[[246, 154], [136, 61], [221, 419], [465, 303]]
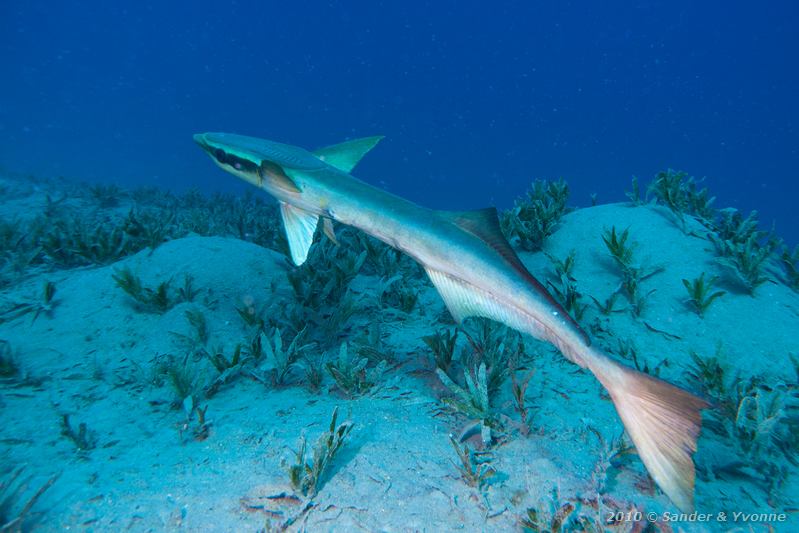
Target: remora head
[[257, 161]]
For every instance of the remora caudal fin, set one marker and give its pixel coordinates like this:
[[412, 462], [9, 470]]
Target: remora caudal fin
[[300, 227], [345, 156], [663, 421]]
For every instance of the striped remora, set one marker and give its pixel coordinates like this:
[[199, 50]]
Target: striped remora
[[475, 271]]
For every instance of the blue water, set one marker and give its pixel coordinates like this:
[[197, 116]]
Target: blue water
[[476, 100]]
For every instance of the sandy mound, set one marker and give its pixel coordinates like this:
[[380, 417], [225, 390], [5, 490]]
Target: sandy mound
[[93, 358]]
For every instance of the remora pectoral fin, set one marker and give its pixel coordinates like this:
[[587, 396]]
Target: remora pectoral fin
[[278, 177], [300, 227], [345, 156]]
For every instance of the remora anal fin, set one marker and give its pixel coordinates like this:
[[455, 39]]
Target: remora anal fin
[[484, 224]]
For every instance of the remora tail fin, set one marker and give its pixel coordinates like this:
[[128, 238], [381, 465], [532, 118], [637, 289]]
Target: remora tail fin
[[663, 421]]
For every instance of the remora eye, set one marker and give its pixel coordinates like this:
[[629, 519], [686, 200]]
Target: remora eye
[[220, 155]]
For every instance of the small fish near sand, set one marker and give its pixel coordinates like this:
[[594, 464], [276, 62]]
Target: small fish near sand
[[475, 271]]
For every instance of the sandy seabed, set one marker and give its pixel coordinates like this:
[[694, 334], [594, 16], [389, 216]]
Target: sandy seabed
[[150, 470]]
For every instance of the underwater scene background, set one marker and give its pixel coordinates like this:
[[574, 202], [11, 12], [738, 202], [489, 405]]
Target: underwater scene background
[[165, 366]]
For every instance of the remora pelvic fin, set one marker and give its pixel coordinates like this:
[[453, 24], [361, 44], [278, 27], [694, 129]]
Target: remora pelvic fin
[[476, 272]]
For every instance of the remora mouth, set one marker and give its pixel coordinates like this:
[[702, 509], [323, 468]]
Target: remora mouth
[[199, 138]]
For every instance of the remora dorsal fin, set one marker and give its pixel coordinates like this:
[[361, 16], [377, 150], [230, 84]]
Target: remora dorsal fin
[[484, 224], [300, 227], [345, 156]]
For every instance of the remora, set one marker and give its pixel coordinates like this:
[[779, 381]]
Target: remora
[[476, 272]]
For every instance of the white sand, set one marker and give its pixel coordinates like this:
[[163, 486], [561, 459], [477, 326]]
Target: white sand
[[395, 472]]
